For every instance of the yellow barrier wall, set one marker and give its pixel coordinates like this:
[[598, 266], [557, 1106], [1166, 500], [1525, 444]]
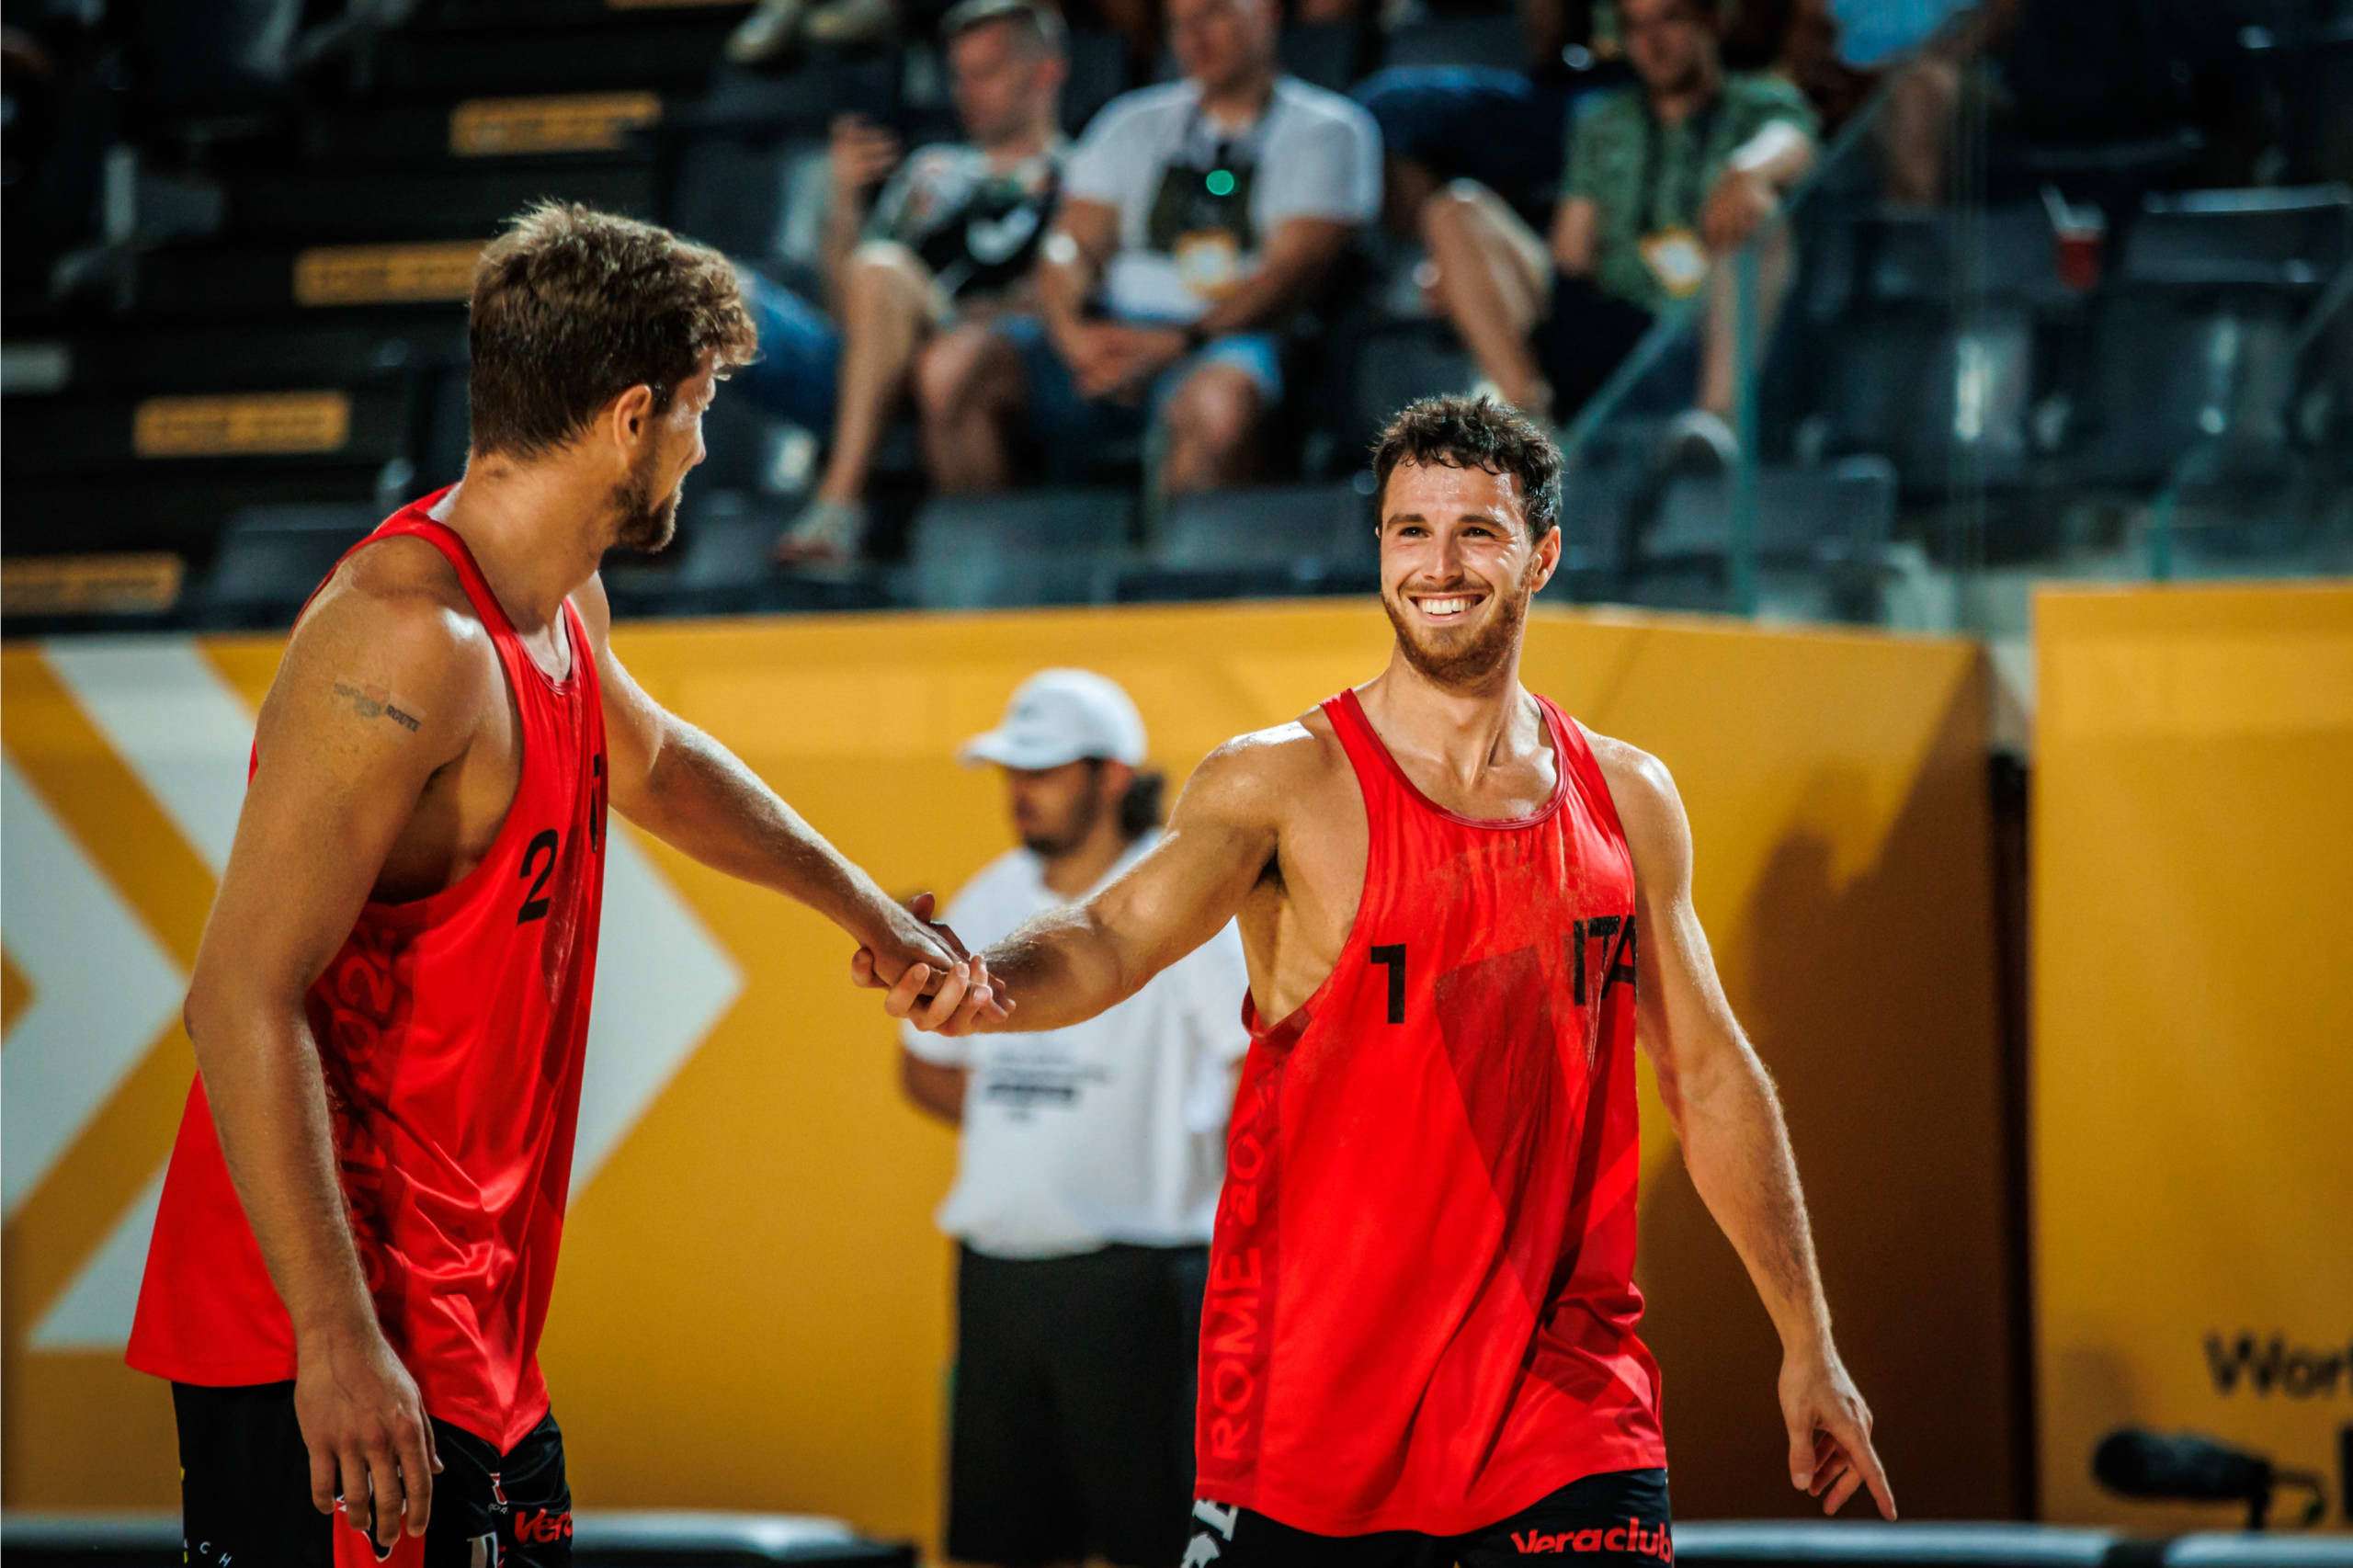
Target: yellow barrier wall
[[754, 1307], [2193, 853]]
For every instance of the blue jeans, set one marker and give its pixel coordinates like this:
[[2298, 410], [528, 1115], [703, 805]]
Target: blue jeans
[[798, 374], [1060, 413]]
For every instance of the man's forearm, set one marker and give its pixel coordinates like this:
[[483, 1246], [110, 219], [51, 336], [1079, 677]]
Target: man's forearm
[[1737, 1149], [1061, 969], [1064, 286], [699, 798], [269, 1109], [1281, 285]]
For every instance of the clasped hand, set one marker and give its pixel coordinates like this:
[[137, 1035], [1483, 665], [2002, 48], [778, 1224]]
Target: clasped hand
[[930, 981]]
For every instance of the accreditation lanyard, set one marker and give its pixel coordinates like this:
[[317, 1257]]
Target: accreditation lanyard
[[1656, 180]]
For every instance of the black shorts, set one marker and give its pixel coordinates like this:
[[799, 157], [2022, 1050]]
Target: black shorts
[[1073, 1430], [245, 1490], [1617, 1520]]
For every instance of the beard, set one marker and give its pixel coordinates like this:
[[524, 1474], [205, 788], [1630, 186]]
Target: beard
[[645, 524], [1053, 844], [1471, 657]]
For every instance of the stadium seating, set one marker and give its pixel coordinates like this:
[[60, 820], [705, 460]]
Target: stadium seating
[[302, 213], [1040, 547]]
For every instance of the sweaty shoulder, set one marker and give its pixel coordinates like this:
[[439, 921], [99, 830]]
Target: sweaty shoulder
[[1649, 807], [393, 627], [1258, 776]]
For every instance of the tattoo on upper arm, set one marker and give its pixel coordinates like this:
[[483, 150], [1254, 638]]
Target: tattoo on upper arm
[[371, 701]]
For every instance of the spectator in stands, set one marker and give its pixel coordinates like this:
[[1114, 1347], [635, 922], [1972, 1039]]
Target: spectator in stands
[[1198, 219], [1501, 126], [954, 236], [1087, 1175], [1667, 177]]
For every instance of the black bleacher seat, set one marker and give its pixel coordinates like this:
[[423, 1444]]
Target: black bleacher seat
[[196, 62], [1828, 527], [2292, 238], [95, 433], [1839, 511], [1382, 368], [1896, 366], [1913, 386], [1259, 543], [339, 349], [1043, 546], [2190, 345], [2170, 373], [801, 101], [1098, 73], [446, 433], [1897, 255], [454, 201], [1328, 54], [272, 558], [1498, 40], [729, 192], [470, 50]]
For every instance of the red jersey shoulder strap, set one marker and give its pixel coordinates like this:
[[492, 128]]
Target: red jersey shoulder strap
[[1376, 771], [1582, 768]]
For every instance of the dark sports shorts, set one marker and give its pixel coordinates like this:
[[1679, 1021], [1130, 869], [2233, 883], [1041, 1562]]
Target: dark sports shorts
[[1617, 1520], [245, 1492], [1072, 1434]]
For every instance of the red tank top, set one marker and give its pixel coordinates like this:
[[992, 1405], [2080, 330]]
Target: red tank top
[[1421, 1307], [451, 1031]]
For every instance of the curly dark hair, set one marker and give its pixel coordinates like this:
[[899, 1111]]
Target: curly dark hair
[[573, 307], [1476, 432]]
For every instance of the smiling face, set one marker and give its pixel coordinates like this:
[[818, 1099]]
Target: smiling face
[[1458, 568], [670, 446]]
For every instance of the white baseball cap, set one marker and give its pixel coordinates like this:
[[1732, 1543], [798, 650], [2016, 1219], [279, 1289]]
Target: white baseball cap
[[1058, 717]]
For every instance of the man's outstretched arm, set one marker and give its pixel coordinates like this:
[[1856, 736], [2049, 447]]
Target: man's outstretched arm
[[1734, 1142], [689, 790], [1067, 966]]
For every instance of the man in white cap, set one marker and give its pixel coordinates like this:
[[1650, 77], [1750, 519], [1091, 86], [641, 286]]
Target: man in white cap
[[1088, 1176]]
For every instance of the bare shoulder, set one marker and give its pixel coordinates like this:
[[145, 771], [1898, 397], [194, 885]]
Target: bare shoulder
[[393, 635], [1256, 776], [1649, 807]]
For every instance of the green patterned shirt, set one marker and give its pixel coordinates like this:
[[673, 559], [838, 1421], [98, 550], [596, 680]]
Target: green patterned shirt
[[1613, 141]]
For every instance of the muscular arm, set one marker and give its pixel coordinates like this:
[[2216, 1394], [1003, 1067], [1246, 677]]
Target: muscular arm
[[1085, 235], [1065, 967], [1736, 1144], [687, 790], [1296, 261], [341, 769]]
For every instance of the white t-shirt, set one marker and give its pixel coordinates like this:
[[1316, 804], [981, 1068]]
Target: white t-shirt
[[1312, 154], [1108, 1131]]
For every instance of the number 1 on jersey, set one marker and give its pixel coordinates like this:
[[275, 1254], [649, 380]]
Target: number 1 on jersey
[[1393, 959]]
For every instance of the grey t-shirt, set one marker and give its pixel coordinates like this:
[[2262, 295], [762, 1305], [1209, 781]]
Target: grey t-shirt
[[1198, 201]]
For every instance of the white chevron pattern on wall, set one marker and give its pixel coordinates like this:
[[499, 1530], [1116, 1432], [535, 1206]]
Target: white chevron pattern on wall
[[103, 991]]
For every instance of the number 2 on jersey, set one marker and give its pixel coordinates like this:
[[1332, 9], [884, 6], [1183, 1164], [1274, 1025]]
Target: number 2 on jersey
[[540, 852]]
